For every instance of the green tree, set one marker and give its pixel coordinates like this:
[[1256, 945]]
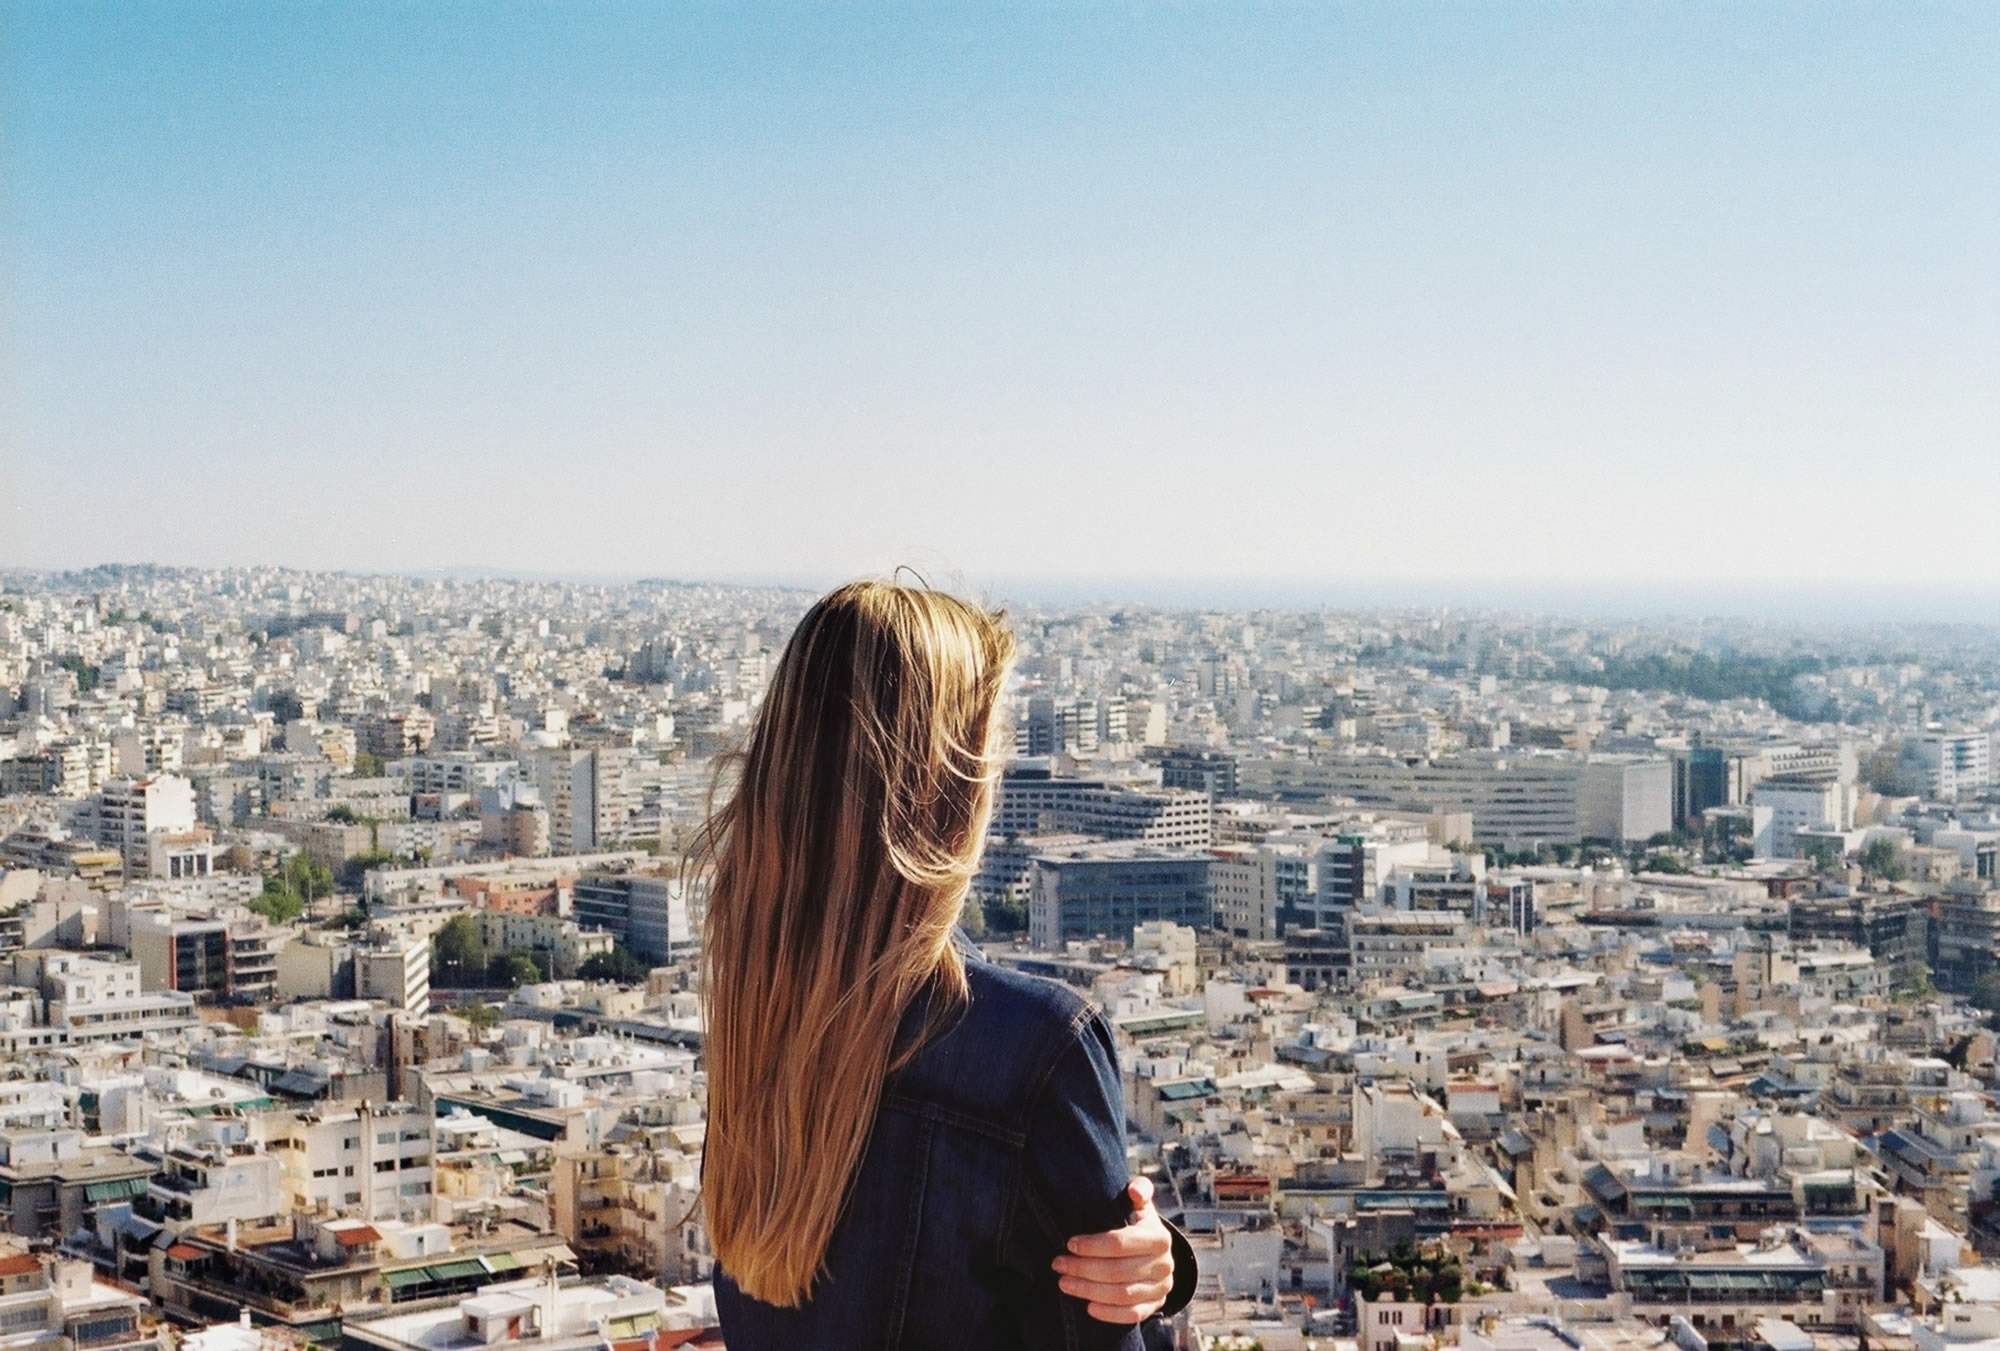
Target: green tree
[[1882, 859], [308, 877], [458, 955], [356, 869], [290, 891], [479, 1013], [616, 965], [86, 675], [1986, 992], [276, 904], [367, 765], [515, 967]]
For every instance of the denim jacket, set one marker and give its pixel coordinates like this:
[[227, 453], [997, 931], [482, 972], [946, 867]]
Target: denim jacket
[[994, 1145]]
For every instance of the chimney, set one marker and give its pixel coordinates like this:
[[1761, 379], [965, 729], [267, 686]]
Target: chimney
[[554, 1294]]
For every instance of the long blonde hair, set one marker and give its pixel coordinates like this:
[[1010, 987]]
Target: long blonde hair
[[840, 864]]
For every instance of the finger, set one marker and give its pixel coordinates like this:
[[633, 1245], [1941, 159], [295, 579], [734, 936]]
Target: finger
[[1147, 1268], [1131, 1241], [1119, 1313], [1126, 1293], [1140, 1190]]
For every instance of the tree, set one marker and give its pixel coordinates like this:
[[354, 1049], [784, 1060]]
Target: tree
[[356, 869], [1986, 992], [1882, 859], [515, 967], [1408, 1273], [367, 765], [86, 675], [616, 965], [308, 877], [458, 954], [276, 905], [479, 1013], [291, 890]]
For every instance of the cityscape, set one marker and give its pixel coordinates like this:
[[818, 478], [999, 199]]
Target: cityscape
[[1499, 980], [1497, 794]]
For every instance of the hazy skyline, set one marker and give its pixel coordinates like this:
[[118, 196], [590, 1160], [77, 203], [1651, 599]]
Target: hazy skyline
[[1592, 295]]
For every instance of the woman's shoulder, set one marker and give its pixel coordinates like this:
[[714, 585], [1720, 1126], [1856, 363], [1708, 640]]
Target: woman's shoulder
[[1008, 995], [999, 1047]]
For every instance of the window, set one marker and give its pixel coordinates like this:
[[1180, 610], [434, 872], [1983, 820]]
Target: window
[[350, 1142], [386, 1138], [385, 1165]]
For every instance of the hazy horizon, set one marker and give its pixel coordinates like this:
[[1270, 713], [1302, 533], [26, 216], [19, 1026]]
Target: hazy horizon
[[1821, 603]]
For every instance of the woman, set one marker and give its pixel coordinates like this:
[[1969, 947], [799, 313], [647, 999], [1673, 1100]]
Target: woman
[[903, 1138]]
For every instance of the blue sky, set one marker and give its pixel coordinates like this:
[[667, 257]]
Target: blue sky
[[1574, 293]]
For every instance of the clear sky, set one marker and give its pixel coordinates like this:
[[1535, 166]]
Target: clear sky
[[1586, 293]]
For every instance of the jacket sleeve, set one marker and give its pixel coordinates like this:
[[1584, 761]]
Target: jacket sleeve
[[1186, 1272], [1073, 1173]]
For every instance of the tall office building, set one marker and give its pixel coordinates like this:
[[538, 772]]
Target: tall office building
[[1032, 801], [1517, 801], [1107, 889]]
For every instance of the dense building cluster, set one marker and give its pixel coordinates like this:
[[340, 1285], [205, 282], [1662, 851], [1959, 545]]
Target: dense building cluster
[[1486, 979]]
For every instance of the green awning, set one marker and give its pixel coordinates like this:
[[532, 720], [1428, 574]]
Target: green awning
[[115, 1190], [497, 1262], [456, 1271], [407, 1276]]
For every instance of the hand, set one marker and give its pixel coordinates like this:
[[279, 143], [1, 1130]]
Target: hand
[[1126, 1274]]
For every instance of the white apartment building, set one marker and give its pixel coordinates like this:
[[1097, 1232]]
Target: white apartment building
[[584, 793], [127, 812], [395, 971], [1946, 764], [212, 1183], [456, 772], [566, 945], [1798, 806], [93, 999], [373, 1162]]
